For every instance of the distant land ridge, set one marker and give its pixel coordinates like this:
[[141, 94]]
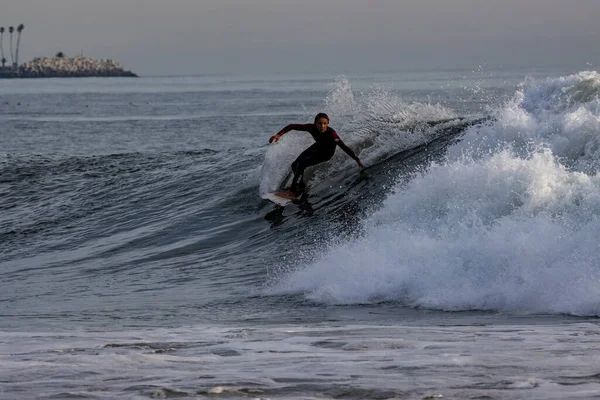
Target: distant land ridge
[[65, 67]]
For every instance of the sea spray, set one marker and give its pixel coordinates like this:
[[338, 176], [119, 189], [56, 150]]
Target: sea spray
[[376, 125]]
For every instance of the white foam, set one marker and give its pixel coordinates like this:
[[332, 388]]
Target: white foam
[[278, 160], [510, 222], [304, 360]]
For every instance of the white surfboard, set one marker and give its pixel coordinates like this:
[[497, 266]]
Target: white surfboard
[[281, 198]]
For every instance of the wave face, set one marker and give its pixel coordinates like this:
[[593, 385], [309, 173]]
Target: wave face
[[507, 221]]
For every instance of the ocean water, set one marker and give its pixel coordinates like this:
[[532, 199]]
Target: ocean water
[[138, 259]]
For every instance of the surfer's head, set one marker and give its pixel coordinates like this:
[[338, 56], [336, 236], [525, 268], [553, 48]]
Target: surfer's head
[[322, 122]]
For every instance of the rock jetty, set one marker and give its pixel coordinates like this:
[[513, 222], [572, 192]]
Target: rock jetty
[[65, 67]]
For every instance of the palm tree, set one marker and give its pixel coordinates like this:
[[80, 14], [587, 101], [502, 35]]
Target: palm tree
[[1, 48], [11, 29], [19, 30]]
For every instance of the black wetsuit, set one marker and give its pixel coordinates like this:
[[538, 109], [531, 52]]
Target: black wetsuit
[[322, 150]]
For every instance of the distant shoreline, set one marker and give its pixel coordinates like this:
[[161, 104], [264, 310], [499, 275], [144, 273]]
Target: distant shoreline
[[65, 67]]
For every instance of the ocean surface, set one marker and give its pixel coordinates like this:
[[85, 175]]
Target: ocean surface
[[138, 259]]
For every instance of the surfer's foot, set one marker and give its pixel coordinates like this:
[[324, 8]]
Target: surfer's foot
[[298, 189], [295, 193]]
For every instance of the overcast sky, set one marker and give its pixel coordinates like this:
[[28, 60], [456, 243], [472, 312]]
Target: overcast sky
[[169, 37]]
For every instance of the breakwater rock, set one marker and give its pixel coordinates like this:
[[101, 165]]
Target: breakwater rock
[[65, 67]]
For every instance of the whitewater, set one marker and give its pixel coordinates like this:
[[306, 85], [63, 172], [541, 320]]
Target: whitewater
[[506, 222]]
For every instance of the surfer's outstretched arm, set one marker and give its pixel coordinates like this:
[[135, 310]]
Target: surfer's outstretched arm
[[348, 151], [290, 127]]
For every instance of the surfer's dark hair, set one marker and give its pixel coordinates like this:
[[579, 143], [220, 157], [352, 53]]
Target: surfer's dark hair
[[321, 115]]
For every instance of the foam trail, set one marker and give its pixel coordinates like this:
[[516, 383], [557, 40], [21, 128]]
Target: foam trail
[[508, 223], [278, 159]]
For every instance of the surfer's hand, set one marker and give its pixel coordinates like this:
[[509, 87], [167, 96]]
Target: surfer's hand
[[274, 138], [361, 165]]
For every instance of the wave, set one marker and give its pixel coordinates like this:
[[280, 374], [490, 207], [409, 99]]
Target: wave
[[376, 125], [508, 221], [59, 200]]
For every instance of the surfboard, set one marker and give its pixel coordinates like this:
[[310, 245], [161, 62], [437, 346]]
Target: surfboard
[[281, 198]]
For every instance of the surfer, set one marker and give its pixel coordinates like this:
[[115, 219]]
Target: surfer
[[322, 150]]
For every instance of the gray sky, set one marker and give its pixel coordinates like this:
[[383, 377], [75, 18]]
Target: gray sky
[[169, 37]]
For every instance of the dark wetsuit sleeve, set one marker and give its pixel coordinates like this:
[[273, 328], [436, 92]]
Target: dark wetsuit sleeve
[[295, 127], [343, 146]]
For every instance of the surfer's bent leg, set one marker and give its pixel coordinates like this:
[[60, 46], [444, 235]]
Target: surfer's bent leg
[[309, 157]]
